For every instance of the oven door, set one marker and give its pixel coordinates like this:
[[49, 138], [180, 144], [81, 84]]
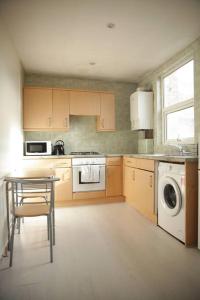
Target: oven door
[[80, 185]]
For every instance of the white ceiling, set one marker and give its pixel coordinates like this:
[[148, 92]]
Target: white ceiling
[[64, 36]]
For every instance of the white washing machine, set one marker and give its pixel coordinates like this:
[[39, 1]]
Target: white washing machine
[[171, 199]]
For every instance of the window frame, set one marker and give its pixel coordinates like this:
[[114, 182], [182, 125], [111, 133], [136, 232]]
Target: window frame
[[175, 107]]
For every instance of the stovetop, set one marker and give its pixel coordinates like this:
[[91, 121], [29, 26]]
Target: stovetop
[[85, 153]]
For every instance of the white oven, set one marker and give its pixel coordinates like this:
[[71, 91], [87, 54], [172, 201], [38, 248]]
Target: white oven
[[88, 174]]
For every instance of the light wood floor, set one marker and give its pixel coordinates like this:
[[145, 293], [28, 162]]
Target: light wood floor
[[102, 252]]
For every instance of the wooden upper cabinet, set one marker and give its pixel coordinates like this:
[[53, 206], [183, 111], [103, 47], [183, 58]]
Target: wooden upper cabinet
[[60, 114], [37, 108], [83, 103], [49, 108], [106, 121]]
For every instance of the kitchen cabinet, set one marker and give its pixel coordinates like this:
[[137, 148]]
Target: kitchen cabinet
[[60, 111], [84, 103], [139, 185], [129, 184], [113, 176], [63, 188], [144, 193], [62, 169], [106, 120], [46, 109], [141, 110], [37, 108]]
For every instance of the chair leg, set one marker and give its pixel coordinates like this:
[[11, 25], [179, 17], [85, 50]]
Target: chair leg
[[22, 203], [51, 241], [54, 238], [48, 227], [12, 241], [19, 225]]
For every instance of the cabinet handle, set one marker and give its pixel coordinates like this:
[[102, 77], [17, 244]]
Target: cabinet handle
[[133, 175], [49, 119], [151, 181]]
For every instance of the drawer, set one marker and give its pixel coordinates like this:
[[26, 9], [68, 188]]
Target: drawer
[[145, 164], [130, 162], [63, 162], [114, 161], [38, 163], [46, 163]]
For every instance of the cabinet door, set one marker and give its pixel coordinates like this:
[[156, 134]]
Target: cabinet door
[[106, 121], [144, 197], [129, 184], [84, 103], [60, 109], [113, 180], [63, 188], [37, 108]]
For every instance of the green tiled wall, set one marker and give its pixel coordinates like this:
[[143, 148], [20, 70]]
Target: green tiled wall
[[82, 135]]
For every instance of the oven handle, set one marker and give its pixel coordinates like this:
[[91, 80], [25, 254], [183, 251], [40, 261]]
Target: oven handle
[[100, 165]]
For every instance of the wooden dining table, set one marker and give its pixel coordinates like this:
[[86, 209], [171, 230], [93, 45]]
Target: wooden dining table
[[39, 173]]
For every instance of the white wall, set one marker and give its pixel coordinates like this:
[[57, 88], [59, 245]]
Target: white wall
[[11, 136]]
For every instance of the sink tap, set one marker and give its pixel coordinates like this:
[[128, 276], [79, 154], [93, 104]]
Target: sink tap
[[179, 147]]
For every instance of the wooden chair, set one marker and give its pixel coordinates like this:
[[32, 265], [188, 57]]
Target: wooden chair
[[29, 185]]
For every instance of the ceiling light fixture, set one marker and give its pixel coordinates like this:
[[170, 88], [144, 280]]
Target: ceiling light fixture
[[111, 25]]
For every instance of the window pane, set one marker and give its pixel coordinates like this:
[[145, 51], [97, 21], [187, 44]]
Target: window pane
[[180, 124], [179, 85]]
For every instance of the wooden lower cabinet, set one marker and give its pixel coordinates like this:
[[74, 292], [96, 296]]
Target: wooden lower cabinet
[[144, 193], [139, 189], [129, 184], [113, 181], [63, 188], [62, 169]]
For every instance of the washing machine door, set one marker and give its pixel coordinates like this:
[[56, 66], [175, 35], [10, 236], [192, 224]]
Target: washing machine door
[[170, 193]]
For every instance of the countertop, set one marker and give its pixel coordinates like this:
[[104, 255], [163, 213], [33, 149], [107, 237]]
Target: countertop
[[154, 156], [165, 157]]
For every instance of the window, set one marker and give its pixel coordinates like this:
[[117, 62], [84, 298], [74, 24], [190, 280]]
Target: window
[[178, 104]]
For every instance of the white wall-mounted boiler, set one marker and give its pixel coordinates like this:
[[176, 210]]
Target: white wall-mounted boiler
[[141, 110]]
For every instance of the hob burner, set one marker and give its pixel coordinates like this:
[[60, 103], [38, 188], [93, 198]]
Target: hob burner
[[85, 153]]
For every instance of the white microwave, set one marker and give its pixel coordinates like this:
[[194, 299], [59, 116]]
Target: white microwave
[[38, 148]]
